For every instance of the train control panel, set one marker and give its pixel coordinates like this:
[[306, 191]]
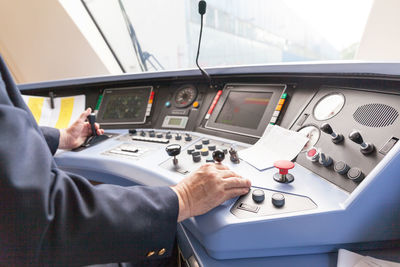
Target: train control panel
[[342, 190]]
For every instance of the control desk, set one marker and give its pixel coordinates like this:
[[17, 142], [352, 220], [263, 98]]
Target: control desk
[[342, 190]]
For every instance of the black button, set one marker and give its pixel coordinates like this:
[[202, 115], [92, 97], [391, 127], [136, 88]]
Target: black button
[[355, 174], [341, 167], [278, 200]]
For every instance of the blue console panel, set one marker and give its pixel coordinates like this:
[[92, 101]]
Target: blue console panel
[[334, 218]]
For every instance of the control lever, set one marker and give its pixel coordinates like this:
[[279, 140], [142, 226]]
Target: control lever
[[92, 119], [365, 148], [234, 155], [173, 150], [283, 176], [336, 138], [94, 138]]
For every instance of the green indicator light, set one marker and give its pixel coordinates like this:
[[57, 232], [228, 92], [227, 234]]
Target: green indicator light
[[272, 123], [284, 96], [98, 102]]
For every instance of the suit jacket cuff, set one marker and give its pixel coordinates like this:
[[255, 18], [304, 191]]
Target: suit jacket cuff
[[52, 136]]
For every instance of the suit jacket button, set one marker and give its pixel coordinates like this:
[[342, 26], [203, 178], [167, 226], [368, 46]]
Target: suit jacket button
[[151, 253], [161, 252]]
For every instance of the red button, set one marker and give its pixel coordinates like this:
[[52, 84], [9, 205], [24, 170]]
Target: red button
[[283, 166], [311, 152]]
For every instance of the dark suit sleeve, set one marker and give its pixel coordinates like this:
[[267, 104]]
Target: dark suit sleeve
[[52, 136], [52, 218]]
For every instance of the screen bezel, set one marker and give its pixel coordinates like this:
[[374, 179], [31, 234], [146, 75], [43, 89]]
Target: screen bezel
[[122, 91], [276, 90]]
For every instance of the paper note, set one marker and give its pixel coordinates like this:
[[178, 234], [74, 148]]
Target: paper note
[[276, 143], [350, 259], [66, 109]]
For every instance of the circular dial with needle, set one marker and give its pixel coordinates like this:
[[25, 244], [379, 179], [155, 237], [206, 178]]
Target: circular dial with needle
[[313, 133], [329, 106], [185, 96]]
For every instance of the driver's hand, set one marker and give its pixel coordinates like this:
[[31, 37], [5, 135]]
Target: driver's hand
[[206, 188], [76, 134]]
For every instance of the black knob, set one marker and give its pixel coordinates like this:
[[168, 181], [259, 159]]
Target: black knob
[[92, 120], [205, 141], [218, 155], [173, 150], [212, 147], [341, 167], [278, 200], [196, 157], [188, 137], [178, 137], [196, 153], [152, 134], [142, 133], [258, 195], [355, 174], [326, 128], [204, 152], [168, 135], [198, 146], [133, 131], [160, 135]]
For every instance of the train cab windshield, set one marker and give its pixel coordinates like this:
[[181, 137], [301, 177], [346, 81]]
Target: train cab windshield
[[163, 35]]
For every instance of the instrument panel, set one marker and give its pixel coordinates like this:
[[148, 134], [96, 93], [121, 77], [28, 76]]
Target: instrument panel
[[352, 125]]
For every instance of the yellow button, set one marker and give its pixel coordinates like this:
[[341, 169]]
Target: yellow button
[[281, 101], [161, 252], [278, 107], [195, 104], [204, 150], [151, 253]]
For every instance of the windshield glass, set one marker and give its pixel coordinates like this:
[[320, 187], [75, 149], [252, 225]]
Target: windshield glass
[[157, 35]]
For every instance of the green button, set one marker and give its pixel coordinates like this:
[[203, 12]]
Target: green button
[[284, 95]]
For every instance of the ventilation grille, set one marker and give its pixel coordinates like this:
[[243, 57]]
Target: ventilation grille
[[375, 115]]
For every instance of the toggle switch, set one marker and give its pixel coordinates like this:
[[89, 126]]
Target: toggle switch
[[365, 148], [336, 138]]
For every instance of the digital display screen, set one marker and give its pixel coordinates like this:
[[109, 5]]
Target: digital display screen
[[175, 121], [244, 109], [127, 105]]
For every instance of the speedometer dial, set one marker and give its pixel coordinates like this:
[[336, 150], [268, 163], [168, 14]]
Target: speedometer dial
[[185, 96], [329, 106], [313, 133]]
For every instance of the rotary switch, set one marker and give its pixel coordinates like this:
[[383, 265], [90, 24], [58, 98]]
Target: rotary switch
[[325, 160], [283, 176]]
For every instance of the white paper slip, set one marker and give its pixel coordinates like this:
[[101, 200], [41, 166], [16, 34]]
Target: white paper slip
[[276, 143], [66, 110], [350, 259]]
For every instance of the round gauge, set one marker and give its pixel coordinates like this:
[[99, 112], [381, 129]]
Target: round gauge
[[185, 96], [328, 106], [313, 133]]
